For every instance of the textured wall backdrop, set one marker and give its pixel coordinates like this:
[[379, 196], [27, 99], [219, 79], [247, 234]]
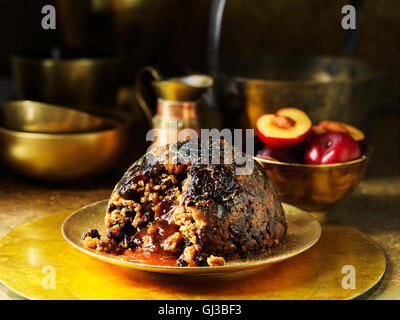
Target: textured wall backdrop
[[172, 33]]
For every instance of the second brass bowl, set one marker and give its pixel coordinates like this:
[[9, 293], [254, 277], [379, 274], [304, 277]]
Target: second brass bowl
[[34, 116], [64, 156], [315, 187]]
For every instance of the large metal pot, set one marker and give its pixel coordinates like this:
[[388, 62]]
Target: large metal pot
[[122, 24], [326, 87], [69, 76]]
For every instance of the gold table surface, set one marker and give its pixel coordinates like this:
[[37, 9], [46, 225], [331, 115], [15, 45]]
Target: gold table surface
[[373, 208], [38, 263]]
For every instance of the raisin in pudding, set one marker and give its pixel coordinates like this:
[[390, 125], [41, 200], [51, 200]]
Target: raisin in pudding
[[180, 213]]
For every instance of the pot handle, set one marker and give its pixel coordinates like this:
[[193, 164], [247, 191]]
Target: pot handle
[[142, 91], [352, 35], [214, 36]]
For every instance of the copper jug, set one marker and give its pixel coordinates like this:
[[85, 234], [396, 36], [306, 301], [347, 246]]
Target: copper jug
[[177, 104]]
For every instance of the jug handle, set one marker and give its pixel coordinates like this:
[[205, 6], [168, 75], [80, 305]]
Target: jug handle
[[139, 90]]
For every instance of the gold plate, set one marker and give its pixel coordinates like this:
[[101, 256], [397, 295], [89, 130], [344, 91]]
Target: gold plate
[[303, 232], [34, 256]]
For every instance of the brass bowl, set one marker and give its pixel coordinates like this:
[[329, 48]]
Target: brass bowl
[[67, 76], [64, 156], [36, 116], [315, 187]]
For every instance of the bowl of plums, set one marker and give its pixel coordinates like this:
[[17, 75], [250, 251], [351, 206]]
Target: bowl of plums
[[313, 166]]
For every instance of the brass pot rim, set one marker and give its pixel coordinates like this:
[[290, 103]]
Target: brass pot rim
[[374, 72], [123, 119], [258, 81], [45, 104], [59, 135], [33, 55], [364, 158], [65, 61]]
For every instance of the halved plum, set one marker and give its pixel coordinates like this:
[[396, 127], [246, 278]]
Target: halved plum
[[288, 127], [335, 126]]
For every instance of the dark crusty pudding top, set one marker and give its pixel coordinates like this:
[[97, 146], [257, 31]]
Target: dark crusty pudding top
[[170, 210]]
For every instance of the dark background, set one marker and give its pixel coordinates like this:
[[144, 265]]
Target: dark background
[[171, 34]]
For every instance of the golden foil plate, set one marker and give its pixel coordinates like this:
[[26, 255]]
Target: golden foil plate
[[37, 263], [303, 232]]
